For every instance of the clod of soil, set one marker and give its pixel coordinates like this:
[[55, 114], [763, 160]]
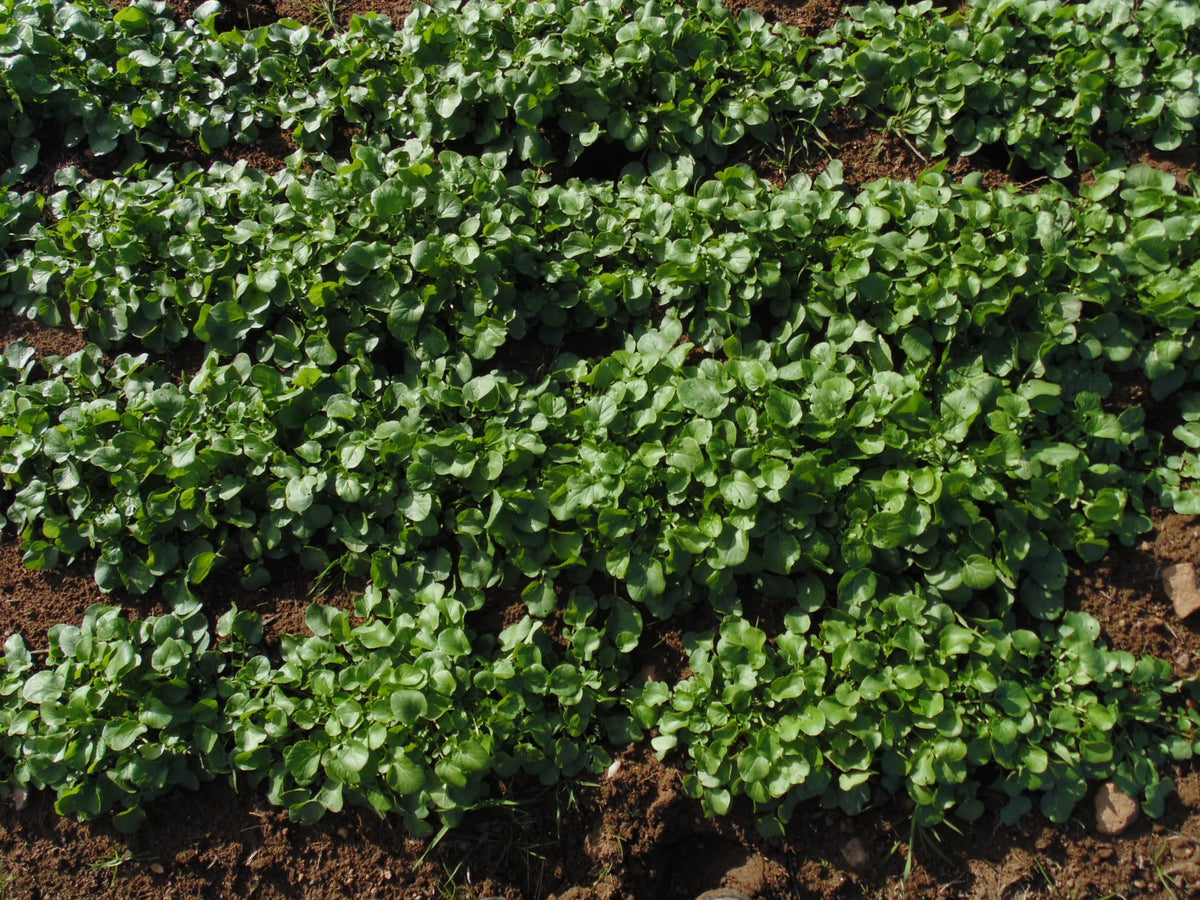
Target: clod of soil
[[1115, 809], [855, 854], [1179, 581]]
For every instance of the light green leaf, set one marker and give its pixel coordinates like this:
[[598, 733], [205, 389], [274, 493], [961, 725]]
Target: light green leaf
[[702, 397], [978, 573]]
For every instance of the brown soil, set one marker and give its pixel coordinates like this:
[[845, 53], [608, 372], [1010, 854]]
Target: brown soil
[[810, 16], [1124, 591], [396, 10], [268, 153], [631, 833], [31, 601], [868, 152], [46, 341]]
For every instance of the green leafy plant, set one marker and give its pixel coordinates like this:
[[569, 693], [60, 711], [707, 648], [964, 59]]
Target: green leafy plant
[[652, 80], [121, 712], [886, 409]]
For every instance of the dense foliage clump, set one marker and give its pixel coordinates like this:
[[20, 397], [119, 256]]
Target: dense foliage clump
[[456, 362]]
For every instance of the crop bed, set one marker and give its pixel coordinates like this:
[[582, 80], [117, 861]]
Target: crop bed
[[685, 425]]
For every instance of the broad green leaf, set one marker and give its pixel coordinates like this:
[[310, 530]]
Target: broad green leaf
[[129, 820], [120, 734], [685, 454], [739, 491], [200, 566], [978, 573], [645, 579], [299, 494], [956, 640], [783, 408], [43, 687], [1016, 808], [390, 199], [343, 765], [702, 397], [132, 18], [17, 658], [408, 707], [625, 626], [540, 598], [405, 776], [812, 721], [303, 761]]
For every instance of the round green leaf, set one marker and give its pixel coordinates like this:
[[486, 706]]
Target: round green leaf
[[978, 573], [702, 397]]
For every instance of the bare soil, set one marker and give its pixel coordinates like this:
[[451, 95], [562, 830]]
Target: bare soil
[[633, 833]]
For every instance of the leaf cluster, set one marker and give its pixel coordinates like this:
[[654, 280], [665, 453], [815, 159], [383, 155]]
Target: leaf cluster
[[888, 411], [120, 713], [548, 81]]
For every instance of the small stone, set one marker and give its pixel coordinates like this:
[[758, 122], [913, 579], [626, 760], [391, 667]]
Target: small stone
[[647, 673], [1179, 581], [855, 854], [157, 868], [1183, 851], [1104, 852], [20, 798], [1115, 809]]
